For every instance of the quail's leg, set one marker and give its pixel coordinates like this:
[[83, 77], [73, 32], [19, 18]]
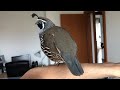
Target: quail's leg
[[58, 63], [55, 62]]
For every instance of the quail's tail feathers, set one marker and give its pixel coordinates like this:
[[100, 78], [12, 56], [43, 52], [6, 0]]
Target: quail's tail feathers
[[73, 65]]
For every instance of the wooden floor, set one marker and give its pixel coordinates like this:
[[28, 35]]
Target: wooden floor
[[3, 75]]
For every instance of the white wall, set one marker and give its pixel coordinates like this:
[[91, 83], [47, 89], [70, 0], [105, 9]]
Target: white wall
[[55, 15], [18, 34], [113, 35]]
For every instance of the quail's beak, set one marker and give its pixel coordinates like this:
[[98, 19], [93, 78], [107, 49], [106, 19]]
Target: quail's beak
[[37, 22]]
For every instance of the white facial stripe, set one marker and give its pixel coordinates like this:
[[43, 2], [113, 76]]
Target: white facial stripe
[[43, 25], [42, 20]]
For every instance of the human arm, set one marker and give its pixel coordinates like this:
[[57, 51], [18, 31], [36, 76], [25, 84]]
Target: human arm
[[91, 71]]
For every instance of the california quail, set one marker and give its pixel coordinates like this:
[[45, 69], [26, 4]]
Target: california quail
[[58, 45]]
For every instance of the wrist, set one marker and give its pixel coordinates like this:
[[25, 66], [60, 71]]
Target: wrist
[[115, 70]]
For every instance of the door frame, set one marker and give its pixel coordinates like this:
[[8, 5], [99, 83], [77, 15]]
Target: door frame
[[104, 33]]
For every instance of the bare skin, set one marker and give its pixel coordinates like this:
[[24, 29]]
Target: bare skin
[[91, 71]]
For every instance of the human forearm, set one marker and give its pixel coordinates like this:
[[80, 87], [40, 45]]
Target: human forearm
[[91, 71], [95, 71]]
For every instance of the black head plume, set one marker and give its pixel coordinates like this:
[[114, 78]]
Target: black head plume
[[33, 15]]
